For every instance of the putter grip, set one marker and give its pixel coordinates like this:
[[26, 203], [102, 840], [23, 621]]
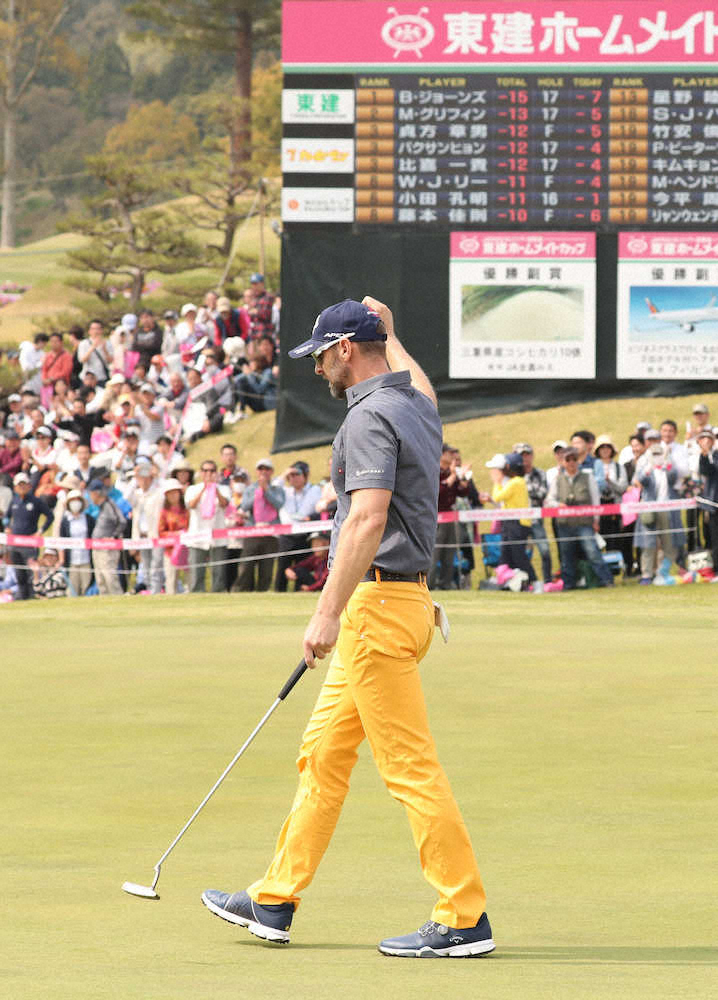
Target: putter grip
[[292, 680]]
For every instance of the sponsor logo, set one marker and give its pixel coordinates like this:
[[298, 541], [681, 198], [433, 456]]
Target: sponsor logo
[[637, 245], [369, 472], [470, 245], [407, 32]]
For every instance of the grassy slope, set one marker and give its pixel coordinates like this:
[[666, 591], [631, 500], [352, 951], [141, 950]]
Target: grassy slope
[[480, 439], [40, 265], [576, 731]]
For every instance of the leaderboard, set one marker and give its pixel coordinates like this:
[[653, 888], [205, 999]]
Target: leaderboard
[[527, 149]]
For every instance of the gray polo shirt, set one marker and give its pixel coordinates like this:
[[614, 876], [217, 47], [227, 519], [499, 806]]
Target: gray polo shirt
[[391, 440]]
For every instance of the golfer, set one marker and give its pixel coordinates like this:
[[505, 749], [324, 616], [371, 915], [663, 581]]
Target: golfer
[[377, 611]]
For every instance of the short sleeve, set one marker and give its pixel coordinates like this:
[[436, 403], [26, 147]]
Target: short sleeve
[[371, 449]]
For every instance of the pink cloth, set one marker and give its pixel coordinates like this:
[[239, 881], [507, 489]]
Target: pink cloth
[[209, 502], [632, 495], [262, 511]]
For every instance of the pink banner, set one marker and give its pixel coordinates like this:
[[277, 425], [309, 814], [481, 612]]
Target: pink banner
[[480, 35], [571, 246], [644, 246], [304, 527]]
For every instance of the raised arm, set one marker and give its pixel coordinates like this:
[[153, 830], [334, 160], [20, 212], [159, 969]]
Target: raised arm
[[398, 357]]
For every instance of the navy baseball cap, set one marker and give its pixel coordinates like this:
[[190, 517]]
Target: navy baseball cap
[[256, 277], [345, 319]]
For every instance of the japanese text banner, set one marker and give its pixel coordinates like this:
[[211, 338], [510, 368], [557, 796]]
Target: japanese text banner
[[579, 33]]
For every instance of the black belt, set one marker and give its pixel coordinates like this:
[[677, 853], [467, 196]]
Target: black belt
[[377, 575]]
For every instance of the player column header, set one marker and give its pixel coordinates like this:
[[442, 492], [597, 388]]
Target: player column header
[[589, 32]]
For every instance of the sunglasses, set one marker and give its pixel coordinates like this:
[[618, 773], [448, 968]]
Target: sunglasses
[[572, 458]]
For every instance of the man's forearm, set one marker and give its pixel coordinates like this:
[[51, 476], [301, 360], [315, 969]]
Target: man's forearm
[[358, 543]]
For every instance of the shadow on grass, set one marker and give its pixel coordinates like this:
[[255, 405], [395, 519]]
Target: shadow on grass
[[605, 954]]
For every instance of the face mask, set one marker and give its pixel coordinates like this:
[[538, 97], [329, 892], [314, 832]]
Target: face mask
[[75, 506], [238, 487]]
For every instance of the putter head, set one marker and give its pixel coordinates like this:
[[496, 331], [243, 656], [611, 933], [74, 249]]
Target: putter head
[[144, 891]]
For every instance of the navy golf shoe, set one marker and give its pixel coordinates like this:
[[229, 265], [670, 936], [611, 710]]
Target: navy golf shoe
[[439, 941], [269, 922]]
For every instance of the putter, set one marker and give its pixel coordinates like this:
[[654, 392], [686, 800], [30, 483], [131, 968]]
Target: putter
[[149, 891]]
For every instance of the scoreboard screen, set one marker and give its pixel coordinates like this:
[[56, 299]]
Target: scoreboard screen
[[571, 114], [523, 149]]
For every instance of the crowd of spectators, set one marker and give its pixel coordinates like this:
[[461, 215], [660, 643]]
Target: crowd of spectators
[[658, 547], [98, 429], [93, 447], [142, 498]]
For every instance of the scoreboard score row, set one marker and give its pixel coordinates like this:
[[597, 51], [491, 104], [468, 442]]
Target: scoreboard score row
[[524, 150]]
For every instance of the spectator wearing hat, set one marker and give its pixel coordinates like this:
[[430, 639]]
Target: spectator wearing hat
[[206, 502], [13, 414], [558, 448], [121, 342], [537, 489], [95, 353], [122, 459], [708, 469], [451, 485], [147, 498], [659, 478], [237, 483], [230, 322], [170, 340], [261, 504], [173, 519], [612, 484], [510, 491], [11, 458], [300, 500], [311, 572], [259, 306], [76, 523], [48, 578], [150, 416], [184, 474], [23, 518], [147, 340], [109, 523], [189, 329], [576, 487]]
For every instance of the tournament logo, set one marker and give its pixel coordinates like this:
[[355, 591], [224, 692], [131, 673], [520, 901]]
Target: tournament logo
[[408, 32], [637, 245], [470, 245]]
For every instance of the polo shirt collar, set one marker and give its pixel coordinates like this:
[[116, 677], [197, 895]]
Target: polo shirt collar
[[361, 390]]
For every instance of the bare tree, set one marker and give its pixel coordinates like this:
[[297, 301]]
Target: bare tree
[[28, 32]]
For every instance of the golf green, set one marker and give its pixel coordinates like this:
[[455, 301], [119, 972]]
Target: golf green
[[578, 731]]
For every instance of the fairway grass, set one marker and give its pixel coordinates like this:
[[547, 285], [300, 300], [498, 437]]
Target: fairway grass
[[578, 731]]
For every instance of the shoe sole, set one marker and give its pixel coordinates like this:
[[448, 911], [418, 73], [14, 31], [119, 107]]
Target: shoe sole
[[474, 950], [259, 930]]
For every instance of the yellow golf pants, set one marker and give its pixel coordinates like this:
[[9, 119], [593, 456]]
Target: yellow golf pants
[[373, 689]]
